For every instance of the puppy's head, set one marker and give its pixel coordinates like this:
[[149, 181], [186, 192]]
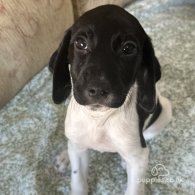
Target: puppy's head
[[108, 51]]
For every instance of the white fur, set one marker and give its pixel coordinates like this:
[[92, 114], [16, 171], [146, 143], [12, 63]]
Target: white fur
[[163, 119], [110, 130], [107, 130]]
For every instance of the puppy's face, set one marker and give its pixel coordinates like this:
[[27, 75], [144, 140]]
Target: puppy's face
[[105, 54], [105, 51]]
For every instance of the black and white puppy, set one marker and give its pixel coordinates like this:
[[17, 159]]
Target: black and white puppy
[[107, 62]]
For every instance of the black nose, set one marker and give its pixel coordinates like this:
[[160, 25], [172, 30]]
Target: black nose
[[95, 92]]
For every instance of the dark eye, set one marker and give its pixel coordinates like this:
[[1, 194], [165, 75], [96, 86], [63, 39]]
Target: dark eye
[[81, 43], [129, 48]]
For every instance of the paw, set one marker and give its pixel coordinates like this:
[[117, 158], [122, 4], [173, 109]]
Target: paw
[[138, 191], [134, 193], [62, 162], [80, 189], [75, 192], [78, 193]]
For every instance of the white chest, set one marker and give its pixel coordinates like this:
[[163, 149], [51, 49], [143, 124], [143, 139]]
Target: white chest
[[90, 135], [110, 131]]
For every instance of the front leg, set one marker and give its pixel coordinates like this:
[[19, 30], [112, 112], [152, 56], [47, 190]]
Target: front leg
[[136, 166], [79, 169]]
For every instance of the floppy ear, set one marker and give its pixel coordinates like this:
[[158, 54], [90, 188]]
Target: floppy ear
[[58, 64], [148, 75]]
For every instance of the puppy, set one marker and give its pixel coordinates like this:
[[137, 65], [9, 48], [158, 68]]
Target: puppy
[[107, 62]]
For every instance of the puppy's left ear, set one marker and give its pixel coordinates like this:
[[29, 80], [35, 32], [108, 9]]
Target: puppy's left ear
[[149, 73], [58, 65]]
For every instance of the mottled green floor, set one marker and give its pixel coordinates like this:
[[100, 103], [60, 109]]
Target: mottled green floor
[[31, 126]]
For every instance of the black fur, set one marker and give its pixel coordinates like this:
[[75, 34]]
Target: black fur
[[118, 53], [59, 66], [142, 115], [155, 114], [148, 75]]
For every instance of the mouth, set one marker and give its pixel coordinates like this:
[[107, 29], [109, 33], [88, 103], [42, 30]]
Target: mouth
[[99, 104], [97, 107]]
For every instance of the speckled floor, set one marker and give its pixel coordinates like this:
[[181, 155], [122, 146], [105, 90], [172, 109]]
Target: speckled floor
[[31, 126]]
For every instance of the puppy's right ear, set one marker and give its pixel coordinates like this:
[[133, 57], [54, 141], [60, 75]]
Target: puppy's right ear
[[58, 64]]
